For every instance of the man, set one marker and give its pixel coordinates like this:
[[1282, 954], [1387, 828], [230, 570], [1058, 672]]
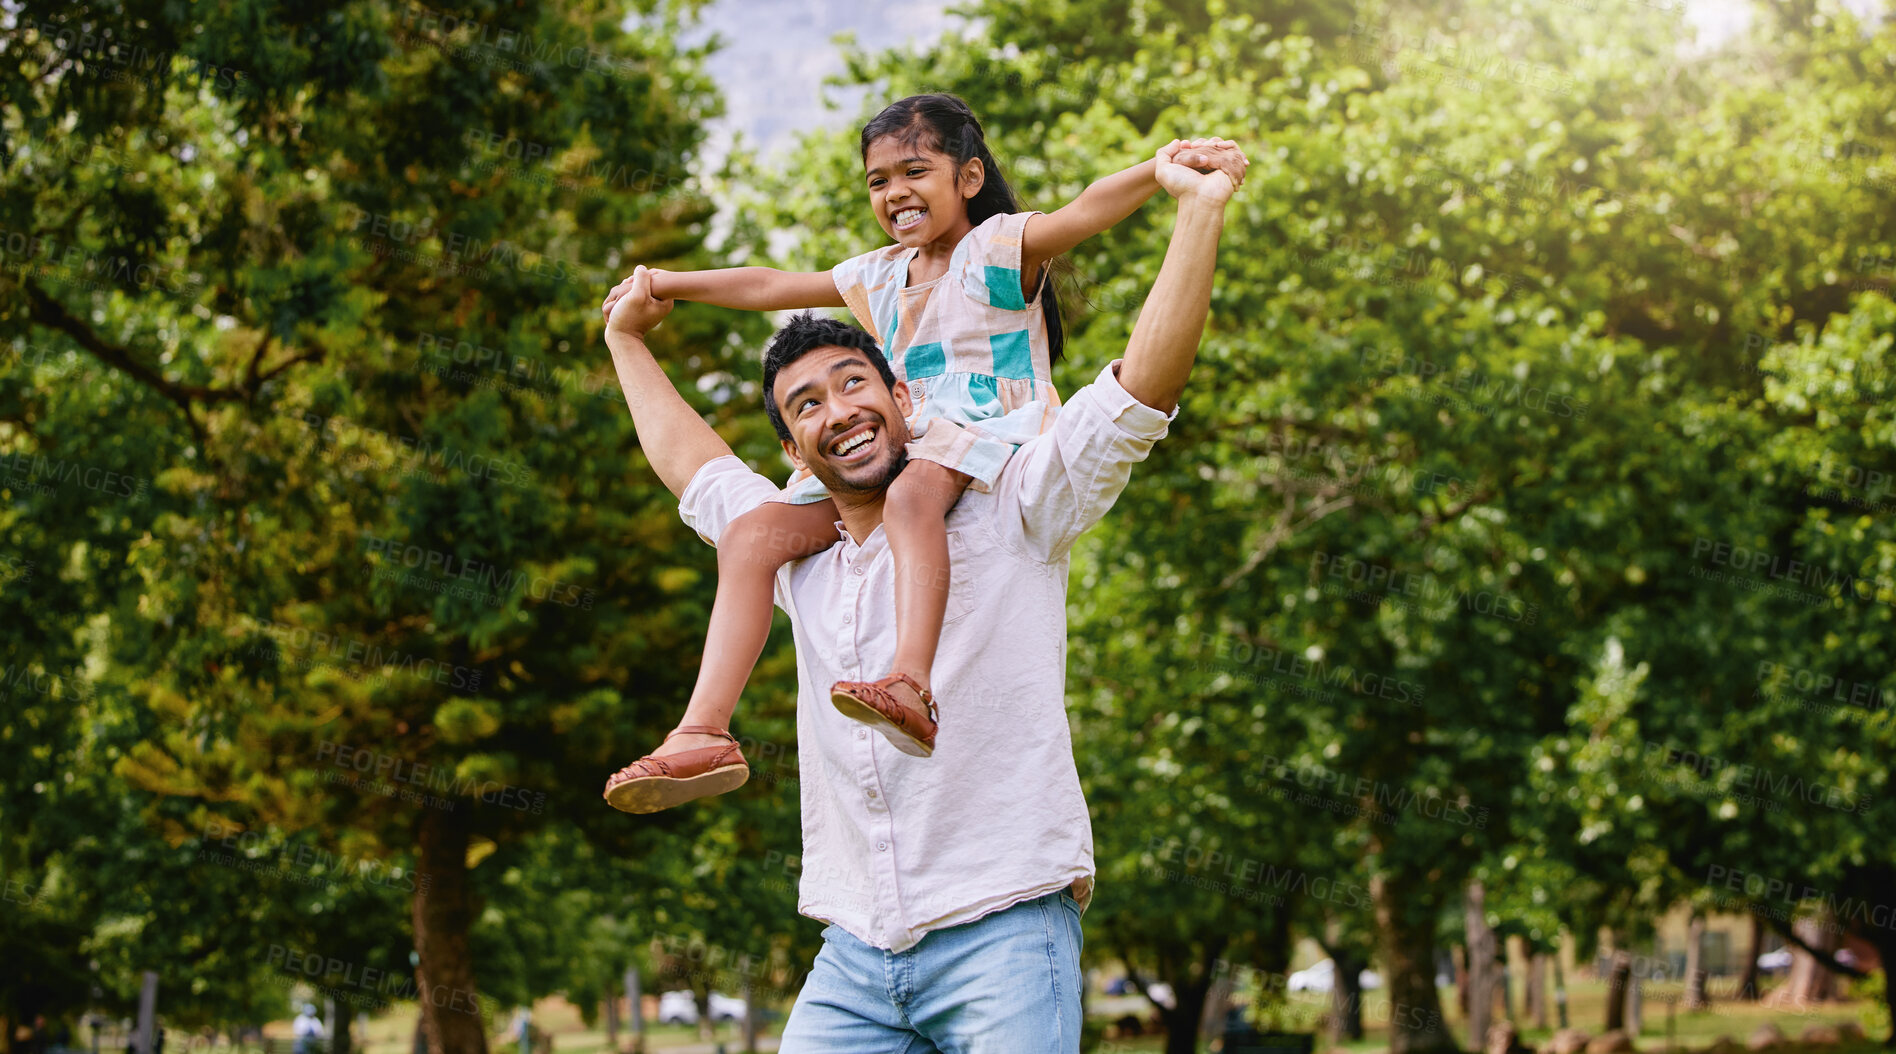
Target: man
[[953, 885]]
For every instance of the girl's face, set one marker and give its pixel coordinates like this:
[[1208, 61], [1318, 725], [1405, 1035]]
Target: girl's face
[[915, 191]]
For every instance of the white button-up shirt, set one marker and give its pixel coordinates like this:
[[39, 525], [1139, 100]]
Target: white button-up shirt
[[896, 846]]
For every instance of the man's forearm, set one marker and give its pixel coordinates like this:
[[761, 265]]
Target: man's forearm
[[1172, 323], [675, 439]]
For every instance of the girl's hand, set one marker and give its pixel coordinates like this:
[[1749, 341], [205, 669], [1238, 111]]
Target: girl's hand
[[1181, 179]]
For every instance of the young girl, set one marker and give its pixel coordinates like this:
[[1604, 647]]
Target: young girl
[[962, 306]]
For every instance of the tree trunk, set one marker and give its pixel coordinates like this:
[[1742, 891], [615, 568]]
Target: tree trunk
[[1211, 1020], [612, 1022], [1748, 980], [1537, 989], [1346, 995], [634, 1009], [1181, 1023], [1481, 957], [341, 1019], [450, 1003], [750, 1018], [1695, 995], [1407, 931], [1884, 940], [1810, 981], [1619, 977]]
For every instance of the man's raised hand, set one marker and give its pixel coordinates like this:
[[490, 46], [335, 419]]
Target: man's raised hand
[[630, 308], [1177, 172], [1214, 152]]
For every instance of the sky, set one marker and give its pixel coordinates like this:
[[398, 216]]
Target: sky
[[778, 52]]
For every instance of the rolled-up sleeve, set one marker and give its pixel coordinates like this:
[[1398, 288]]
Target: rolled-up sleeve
[[1060, 484], [721, 491]]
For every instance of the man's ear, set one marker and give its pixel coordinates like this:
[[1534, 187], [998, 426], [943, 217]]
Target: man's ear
[[796, 459], [973, 176], [903, 400]]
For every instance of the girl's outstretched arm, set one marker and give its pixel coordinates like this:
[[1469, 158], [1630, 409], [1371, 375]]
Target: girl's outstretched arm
[[746, 288], [1110, 200]]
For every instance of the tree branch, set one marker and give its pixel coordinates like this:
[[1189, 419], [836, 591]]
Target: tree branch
[[49, 312], [1824, 958]]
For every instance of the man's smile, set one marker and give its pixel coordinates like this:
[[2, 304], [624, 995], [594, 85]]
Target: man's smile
[[855, 445]]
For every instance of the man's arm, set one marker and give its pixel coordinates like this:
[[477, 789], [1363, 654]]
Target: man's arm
[[1060, 484], [675, 439], [1165, 339], [1102, 205]]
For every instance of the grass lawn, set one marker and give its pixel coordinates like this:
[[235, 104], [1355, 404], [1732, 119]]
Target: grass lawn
[[393, 1033]]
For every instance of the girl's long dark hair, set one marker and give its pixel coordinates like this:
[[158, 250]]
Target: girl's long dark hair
[[944, 123]]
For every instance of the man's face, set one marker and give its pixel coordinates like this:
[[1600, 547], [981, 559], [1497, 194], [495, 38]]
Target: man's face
[[846, 426]]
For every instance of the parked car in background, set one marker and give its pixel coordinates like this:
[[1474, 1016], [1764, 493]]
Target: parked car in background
[[681, 1008], [1321, 977]]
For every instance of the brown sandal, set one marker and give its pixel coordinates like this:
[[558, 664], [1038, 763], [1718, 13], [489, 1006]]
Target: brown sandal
[[911, 731], [653, 783]]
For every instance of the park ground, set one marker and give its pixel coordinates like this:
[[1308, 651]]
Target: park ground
[[392, 1033]]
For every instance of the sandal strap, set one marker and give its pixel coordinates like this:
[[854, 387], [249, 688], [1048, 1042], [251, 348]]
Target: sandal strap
[[701, 730], [927, 697]]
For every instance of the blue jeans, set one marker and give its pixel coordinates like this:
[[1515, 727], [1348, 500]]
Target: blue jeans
[[1006, 983]]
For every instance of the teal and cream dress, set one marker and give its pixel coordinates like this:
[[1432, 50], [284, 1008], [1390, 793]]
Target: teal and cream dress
[[973, 350]]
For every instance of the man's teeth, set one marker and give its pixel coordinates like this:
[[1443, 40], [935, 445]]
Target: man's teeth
[[851, 444]]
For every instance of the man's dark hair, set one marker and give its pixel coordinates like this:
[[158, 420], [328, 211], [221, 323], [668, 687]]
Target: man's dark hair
[[803, 334]]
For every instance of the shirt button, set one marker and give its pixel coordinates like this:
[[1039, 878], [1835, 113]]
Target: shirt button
[[862, 733], [859, 569], [847, 619], [872, 792], [882, 847]]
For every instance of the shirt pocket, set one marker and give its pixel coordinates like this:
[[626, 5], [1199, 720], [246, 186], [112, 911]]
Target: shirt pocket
[[962, 564]]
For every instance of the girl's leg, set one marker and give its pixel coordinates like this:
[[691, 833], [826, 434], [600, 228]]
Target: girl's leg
[[751, 550], [914, 517]]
